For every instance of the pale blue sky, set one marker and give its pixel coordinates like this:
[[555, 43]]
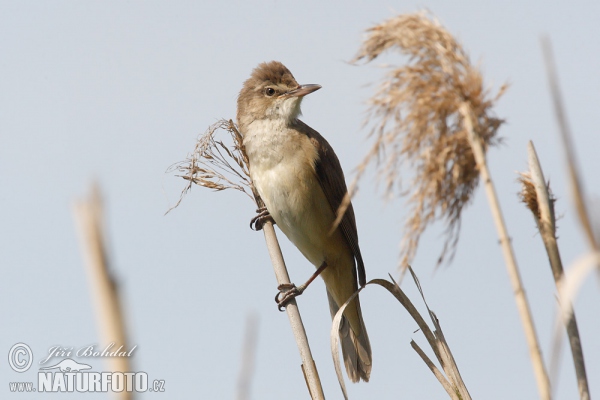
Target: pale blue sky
[[119, 91]]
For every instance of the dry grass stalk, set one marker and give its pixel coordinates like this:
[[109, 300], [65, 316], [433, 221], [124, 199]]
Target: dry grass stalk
[[216, 166], [580, 270], [514, 274], [248, 357], [309, 368], [561, 118], [419, 124], [569, 284], [536, 194], [451, 379], [109, 314]]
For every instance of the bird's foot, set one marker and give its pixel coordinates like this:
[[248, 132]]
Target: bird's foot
[[259, 220], [287, 291]]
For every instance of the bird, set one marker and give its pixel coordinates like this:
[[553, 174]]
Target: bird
[[300, 180]]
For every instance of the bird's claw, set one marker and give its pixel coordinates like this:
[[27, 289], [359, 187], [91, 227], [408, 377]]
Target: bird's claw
[[288, 291], [259, 220]]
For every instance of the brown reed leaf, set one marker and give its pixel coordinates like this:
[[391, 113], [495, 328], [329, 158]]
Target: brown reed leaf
[[417, 124], [214, 164]]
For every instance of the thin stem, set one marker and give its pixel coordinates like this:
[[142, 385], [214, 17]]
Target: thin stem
[[541, 375], [547, 227], [209, 153], [309, 368], [565, 132], [109, 315], [248, 358], [308, 365]]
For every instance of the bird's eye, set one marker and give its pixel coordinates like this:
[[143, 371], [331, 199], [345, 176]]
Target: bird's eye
[[269, 91]]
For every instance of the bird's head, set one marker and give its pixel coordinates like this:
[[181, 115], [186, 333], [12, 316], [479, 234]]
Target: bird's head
[[271, 92]]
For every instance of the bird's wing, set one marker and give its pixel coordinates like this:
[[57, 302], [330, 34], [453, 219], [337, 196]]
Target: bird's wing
[[331, 177]]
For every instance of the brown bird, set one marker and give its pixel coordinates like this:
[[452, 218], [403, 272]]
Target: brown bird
[[300, 180]]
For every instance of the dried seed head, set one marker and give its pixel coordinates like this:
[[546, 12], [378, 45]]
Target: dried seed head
[[528, 194], [214, 164], [417, 123]]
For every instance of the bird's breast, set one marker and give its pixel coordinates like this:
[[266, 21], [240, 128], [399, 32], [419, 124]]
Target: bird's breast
[[282, 170]]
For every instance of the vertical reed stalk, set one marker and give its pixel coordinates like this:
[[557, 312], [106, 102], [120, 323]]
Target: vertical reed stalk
[[541, 375], [309, 368], [537, 196], [216, 166], [109, 315], [248, 358]]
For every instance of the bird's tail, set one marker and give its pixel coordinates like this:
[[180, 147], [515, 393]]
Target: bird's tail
[[356, 348]]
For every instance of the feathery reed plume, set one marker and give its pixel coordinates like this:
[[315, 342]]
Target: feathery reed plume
[[435, 115], [216, 166], [536, 194], [528, 196], [109, 311], [417, 122]]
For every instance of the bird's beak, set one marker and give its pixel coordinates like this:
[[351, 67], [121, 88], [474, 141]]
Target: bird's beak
[[300, 91]]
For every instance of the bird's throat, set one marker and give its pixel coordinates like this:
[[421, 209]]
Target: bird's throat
[[287, 109]]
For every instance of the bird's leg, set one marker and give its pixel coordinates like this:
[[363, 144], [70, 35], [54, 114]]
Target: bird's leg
[[289, 290], [259, 220]]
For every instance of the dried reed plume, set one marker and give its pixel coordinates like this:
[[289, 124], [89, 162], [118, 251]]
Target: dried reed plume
[[419, 124], [529, 197], [434, 115], [527, 194], [214, 165]]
